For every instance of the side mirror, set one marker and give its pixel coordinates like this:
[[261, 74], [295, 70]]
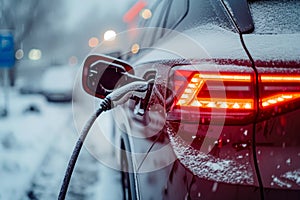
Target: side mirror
[[102, 74]]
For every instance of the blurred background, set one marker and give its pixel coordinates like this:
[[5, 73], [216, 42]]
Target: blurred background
[[37, 132]]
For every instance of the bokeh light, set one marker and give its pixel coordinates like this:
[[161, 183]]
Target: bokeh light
[[73, 60], [110, 35], [93, 42], [35, 54], [19, 54], [135, 48], [146, 13]]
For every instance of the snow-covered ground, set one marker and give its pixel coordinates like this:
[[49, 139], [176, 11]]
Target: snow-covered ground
[[36, 141]]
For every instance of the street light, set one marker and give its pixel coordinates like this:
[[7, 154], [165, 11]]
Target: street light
[[35, 54], [109, 35], [135, 48], [93, 42], [146, 14], [19, 54]]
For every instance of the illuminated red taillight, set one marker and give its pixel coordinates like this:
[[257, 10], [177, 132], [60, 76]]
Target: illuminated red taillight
[[279, 93], [228, 96], [197, 91], [208, 95]]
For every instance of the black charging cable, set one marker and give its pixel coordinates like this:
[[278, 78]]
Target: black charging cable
[[137, 89]]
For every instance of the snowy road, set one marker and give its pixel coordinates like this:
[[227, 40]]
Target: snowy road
[[36, 141]]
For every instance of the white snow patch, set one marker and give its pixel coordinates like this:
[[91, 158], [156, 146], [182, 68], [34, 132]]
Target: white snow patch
[[283, 47], [24, 140], [281, 183], [293, 176], [218, 42]]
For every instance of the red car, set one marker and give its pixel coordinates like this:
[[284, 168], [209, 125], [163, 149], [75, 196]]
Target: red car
[[221, 119]]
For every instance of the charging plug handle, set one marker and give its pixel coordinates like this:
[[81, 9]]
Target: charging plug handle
[[137, 89]]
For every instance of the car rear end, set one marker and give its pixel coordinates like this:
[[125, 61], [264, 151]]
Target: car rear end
[[232, 119], [275, 48], [210, 103]]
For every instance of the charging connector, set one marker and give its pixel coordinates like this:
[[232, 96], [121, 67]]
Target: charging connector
[[137, 89]]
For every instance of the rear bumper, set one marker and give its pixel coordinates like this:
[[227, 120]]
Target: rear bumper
[[182, 184]]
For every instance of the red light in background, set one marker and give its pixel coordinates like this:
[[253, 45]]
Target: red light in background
[[134, 11]]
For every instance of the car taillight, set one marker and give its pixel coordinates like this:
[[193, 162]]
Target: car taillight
[[228, 95], [279, 93], [208, 95], [197, 92]]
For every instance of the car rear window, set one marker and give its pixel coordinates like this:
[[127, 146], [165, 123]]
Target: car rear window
[[274, 16]]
